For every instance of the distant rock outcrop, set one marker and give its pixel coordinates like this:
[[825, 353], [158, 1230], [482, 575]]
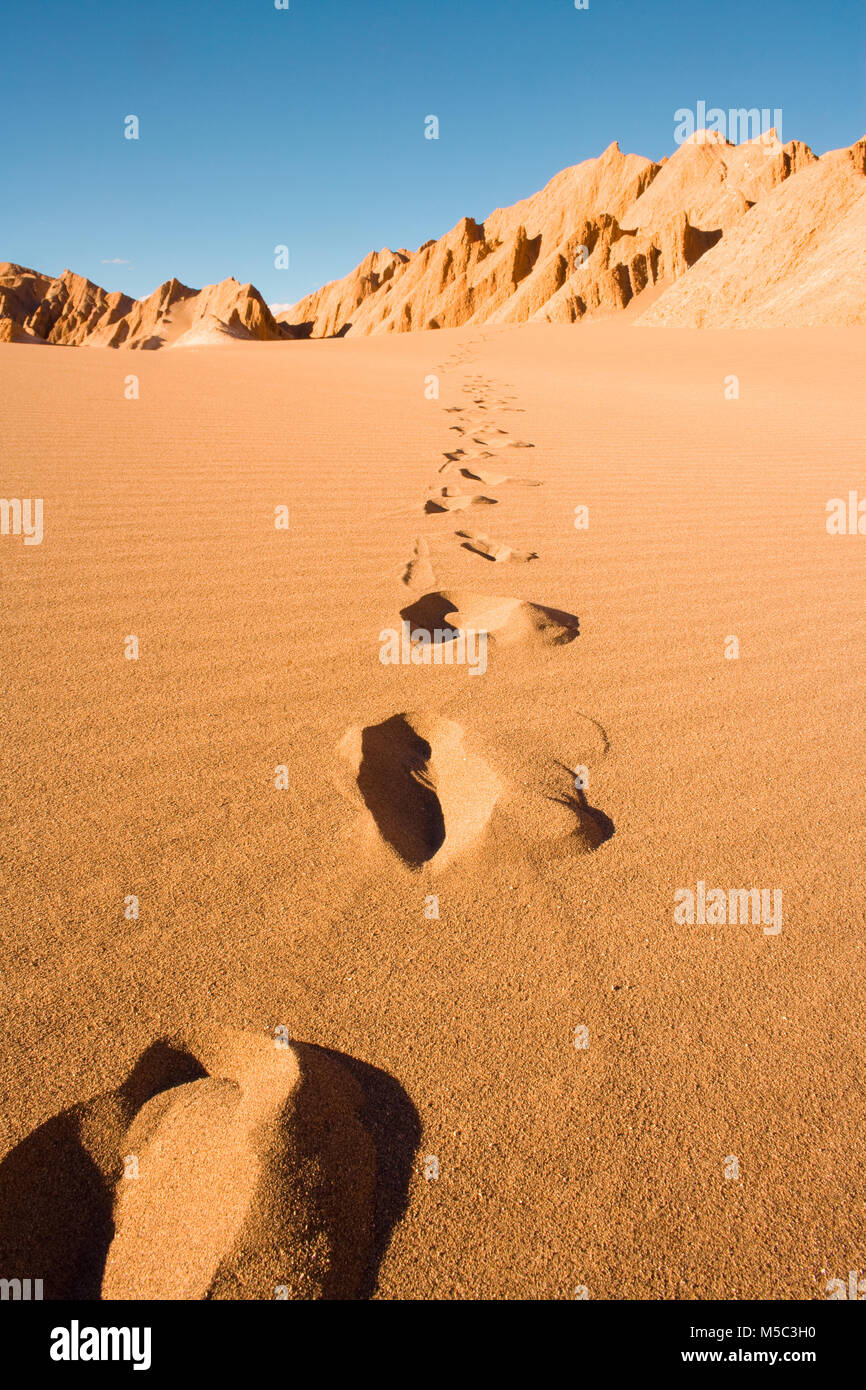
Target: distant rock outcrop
[[337, 304], [11, 332], [73, 312], [21, 292], [176, 316], [490, 272], [73, 309]]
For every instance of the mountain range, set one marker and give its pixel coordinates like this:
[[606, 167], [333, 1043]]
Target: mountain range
[[718, 235]]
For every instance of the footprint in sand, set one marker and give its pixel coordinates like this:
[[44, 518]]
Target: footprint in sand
[[506, 621], [593, 828], [560, 825], [428, 795], [432, 796], [450, 500], [494, 443], [260, 1168], [482, 452], [485, 475], [418, 573], [495, 550], [491, 477], [491, 433]]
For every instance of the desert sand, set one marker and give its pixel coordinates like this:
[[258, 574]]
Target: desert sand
[[289, 812]]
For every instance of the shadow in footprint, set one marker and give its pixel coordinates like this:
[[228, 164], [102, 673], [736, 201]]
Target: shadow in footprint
[[428, 613], [394, 1127], [57, 1185], [55, 1212], [594, 827], [505, 620], [395, 785], [337, 1155]]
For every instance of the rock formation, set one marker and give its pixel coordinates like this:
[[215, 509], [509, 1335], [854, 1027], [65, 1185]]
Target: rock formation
[[717, 235], [796, 259], [591, 241], [71, 311]]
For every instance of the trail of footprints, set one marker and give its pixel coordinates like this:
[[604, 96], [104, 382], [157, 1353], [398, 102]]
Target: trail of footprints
[[429, 795], [233, 1165], [480, 438]]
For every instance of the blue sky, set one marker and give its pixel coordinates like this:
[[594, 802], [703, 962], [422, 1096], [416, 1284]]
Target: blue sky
[[305, 127]]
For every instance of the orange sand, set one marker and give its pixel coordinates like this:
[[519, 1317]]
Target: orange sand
[[559, 1167]]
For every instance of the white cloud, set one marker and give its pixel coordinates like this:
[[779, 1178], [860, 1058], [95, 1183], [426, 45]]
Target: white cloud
[[116, 260], [280, 308]]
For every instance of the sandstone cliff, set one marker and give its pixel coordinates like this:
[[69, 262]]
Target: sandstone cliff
[[597, 236], [73, 312], [796, 259]]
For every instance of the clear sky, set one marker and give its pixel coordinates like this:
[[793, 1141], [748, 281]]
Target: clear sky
[[305, 127]]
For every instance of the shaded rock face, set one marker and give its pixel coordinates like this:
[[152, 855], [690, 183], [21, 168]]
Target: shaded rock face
[[21, 292], [590, 242], [11, 332], [795, 259], [71, 311]]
